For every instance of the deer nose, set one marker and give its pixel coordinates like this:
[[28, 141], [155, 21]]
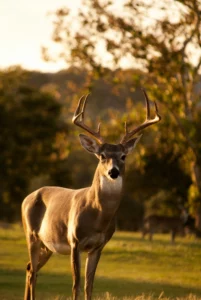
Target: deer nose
[[114, 173]]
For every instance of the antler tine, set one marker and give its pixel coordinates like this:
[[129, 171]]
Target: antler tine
[[78, 119], [148, 107], [146, 123], [147, 104], [84, 105], [126, 127], [79, 109]]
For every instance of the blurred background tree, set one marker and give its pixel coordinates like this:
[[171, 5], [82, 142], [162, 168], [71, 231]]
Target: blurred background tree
[[30, 124], [163, 39]]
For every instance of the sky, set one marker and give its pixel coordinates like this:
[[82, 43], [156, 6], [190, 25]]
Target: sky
[[24, 28]]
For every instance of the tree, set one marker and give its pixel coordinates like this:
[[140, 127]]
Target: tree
[[164, 40], [29, 122]]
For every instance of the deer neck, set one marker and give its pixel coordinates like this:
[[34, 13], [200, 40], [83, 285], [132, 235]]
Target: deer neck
[[106, 192]]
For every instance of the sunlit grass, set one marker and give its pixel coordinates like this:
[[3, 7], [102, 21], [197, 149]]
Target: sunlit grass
[[130, 268]]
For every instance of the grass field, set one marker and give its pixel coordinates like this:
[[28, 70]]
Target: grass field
[[130, 268]]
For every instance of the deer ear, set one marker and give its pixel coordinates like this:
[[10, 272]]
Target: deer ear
[[89, 144], [130, 145]]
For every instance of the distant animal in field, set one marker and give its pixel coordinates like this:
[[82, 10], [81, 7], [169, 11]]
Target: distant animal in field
[[176, 225]]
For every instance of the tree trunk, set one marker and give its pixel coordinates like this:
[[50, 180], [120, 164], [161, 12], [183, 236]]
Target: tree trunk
[[197, 181], [198, 222]]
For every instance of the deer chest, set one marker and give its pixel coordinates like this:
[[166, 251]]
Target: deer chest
[[92, 241]]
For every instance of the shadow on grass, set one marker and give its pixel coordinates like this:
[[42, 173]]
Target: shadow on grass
[[51, 285]]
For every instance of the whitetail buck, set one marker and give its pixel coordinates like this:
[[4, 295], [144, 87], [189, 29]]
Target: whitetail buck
[[173, 224], [69, 221]]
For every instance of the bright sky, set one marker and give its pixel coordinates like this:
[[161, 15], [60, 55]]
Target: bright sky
[[24, 28]]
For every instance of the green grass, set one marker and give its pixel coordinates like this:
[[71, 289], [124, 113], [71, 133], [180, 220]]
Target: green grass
[[129, 268]]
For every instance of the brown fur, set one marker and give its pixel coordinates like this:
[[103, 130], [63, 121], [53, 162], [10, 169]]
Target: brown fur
[[69, 221]]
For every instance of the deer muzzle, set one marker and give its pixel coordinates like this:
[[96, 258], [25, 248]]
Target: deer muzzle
[[113, 173]]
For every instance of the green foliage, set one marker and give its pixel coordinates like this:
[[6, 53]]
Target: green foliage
[[163, 203], [29, 123], [194, 198], [158, 185]]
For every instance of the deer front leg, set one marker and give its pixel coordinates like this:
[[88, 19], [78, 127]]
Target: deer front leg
[[31, 271], [27, 293], [173, 234], [75, 265], [151, 232], [90, 269], [144, 232]]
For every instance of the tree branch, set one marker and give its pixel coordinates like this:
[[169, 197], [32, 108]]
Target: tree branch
[[183, 131]]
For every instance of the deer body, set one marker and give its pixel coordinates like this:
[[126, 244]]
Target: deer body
[[172, 224], [91, 209], [69, 221]]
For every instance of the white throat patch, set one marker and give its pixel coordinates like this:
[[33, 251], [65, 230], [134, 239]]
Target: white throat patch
[[111, 186]]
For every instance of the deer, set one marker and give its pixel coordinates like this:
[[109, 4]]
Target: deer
[[68, 221], [173, 224]]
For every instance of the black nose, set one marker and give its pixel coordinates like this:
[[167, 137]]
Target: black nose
[[114, 173]]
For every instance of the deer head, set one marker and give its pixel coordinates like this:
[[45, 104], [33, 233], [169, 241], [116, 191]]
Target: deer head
[[111, 156]]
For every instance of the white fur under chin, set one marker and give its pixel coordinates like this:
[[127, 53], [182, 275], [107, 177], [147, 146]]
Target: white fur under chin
[[111, 186]]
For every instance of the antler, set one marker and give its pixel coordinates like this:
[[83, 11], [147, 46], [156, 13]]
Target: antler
[[78, 119], [146, 123]]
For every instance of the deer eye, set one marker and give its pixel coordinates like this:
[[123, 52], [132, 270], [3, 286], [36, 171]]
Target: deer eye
[[103, 156], [123, 157]]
